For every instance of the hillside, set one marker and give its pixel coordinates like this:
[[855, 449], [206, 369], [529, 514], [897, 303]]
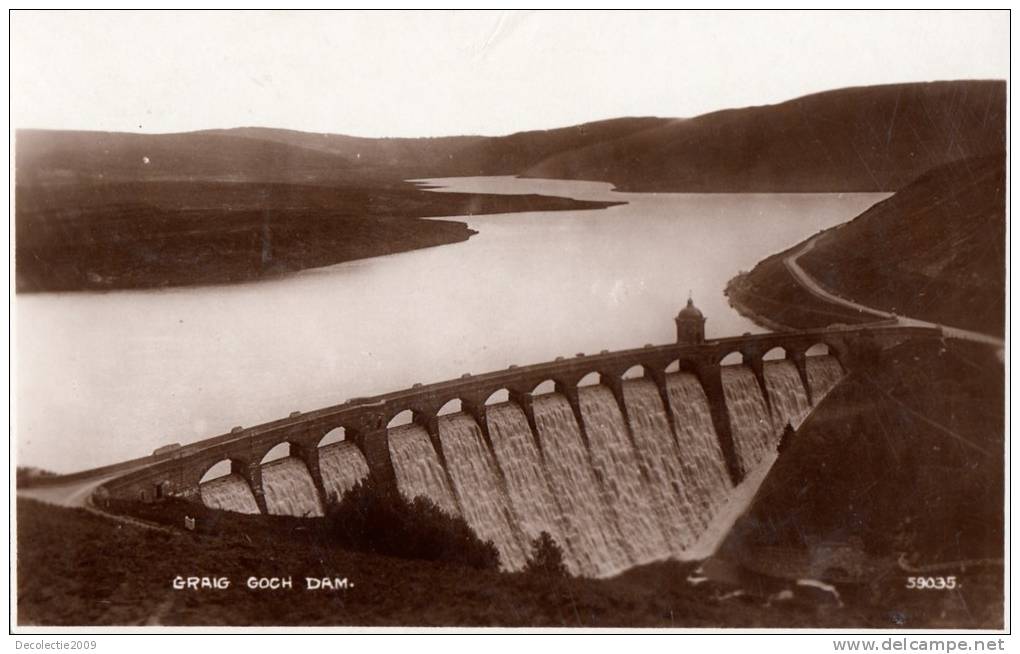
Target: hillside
[[285, 156], [898, 473], [67, 157], [78, 568], [874, 138], [452, 156], [935, 250]]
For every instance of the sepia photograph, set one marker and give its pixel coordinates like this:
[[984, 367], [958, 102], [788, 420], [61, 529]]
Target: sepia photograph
[[530, 320]]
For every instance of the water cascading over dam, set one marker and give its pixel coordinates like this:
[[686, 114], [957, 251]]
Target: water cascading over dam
[[701, 457], [631, 483], [289, 489], [480, 489], [753, 433], [590, 526], [419, 472], [787, 394], [822, 372], [660, 457], [229, 493], [343, 465], [616, 461]]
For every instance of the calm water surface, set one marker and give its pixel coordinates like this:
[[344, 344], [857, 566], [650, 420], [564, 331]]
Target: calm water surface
[[102, 377]]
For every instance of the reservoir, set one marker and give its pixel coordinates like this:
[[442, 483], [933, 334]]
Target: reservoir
[[102, 377]]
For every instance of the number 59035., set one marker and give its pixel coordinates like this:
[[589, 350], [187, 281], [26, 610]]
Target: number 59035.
[[931, 583]]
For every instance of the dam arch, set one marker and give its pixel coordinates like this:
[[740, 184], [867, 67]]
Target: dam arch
[[731, 358], [818, 349], [406, 416], [545, 387], [681, 364], [229, 483], [218, 470], [638, 371], [498, 396], [333, 436], [277, 452], [451, 406]]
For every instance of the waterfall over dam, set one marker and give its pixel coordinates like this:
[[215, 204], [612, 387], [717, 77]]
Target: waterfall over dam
[[617, 478]]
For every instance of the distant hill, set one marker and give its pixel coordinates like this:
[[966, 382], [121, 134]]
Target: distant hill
[[875, 138], [85, 200], [66, 157], [456, 155], [401, 157], [935, 250]]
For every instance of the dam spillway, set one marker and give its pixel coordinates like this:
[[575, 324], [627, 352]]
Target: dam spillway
[[229, 493], [625, 479]]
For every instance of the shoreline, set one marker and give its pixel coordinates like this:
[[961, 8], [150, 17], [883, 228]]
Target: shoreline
[[732, 294], [224, 243]]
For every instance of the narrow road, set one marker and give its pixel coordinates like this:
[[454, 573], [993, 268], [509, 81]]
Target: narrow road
[[78, 495], [817, 290], [75, 494]]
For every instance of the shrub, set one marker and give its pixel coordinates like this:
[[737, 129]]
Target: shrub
[[371, 518], [546, 557], [26, 475]]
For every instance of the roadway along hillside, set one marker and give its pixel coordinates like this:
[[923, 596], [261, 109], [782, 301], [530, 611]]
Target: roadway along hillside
[[817, 290]]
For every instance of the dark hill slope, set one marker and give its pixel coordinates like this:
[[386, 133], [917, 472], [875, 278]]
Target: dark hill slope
[[398, 155], [518, 153], [858, 139], [934, 250], [45, 157], [875, 138], [152, 234], [457, 155], [253, 154], [899, 469]]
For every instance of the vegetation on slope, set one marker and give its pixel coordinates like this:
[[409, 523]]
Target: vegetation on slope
[[78, 568], [935, 250], [370, 519], [899, 473], [772, 297], [151, 234], [875, 138]]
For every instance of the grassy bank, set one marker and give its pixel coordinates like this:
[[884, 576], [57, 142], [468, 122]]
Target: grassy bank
[[144, 235], [935, 250], [773, 298], [77, 568]]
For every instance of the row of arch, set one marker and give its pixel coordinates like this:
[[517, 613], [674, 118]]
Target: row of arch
[[736, 357], [406, 416]]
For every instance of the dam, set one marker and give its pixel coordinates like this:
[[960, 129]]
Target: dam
[[624, 457]]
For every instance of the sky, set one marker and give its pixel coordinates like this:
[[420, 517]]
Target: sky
[[445, 73]]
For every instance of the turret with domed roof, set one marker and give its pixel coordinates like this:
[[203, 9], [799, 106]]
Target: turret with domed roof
[[690, 324]]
